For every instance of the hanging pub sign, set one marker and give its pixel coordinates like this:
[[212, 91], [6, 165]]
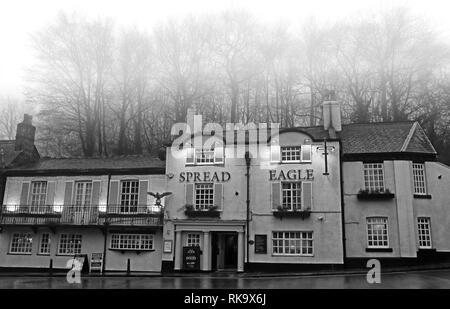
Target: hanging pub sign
[[205, 176], [191, 258], [281, 175]]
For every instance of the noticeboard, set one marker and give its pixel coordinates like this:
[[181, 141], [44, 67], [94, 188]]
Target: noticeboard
[[191, 258], [261, 244], [96, 262]]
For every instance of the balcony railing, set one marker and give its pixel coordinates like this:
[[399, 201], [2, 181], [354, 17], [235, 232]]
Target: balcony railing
[[81, 215]]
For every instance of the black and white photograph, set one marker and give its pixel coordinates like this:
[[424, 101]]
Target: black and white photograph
[[198, 147]]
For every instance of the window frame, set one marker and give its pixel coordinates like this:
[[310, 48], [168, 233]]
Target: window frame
[[48, 245], [367, 178], [28, 245], [68, 236], [211, 197], [83, 204], [424, 178], [293, 206], [419, 234], [290, 150], [283, 240], [125, 204], [202, 150], [34, 207], [146, 242], [386, 223], [197, 236]]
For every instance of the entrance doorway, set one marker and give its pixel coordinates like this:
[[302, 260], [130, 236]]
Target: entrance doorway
[[224, 250]]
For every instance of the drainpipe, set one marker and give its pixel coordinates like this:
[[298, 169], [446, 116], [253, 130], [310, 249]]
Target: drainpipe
[[247, 163], [344, 250], [105, 227]]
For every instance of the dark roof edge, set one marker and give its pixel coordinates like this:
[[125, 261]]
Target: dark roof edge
[[373, 156], [100, 171]]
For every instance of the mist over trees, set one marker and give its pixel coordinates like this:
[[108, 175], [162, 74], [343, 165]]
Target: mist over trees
[[108, 90]]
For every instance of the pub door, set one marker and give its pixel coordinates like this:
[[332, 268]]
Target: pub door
[[224, 251]]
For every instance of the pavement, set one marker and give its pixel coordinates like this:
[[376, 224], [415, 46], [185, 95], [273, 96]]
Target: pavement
[[423, 279]]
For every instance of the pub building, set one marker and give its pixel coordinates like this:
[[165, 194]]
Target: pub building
[[310, 197]]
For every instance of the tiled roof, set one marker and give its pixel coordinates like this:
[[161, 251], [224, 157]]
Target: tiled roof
[[9, 152], [385, 137], [97, 163]]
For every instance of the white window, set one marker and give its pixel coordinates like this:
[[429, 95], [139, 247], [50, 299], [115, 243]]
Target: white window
[[374, 177], [193, 240], [129, 195], [377, 232], [204, 196], [83, 194], [44, 245], [419, 178], [424, 231], [21, 243], [290, 154], [292, 243], [204, 156], [38, 195], [132, 241], [292, 193], [69, 244]]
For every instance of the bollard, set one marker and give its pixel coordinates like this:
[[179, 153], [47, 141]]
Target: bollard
[[50, 268], [128, 267]]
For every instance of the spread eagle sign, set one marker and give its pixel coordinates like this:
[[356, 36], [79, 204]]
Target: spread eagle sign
[[158, 196]]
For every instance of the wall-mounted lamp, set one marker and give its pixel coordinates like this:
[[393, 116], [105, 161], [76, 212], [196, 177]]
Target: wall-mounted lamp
[[325, 148], [170, 175]]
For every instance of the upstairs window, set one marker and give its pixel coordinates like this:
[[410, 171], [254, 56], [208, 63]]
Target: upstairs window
[[419, 179], [38, 195], [292, 194], [374, 177], [83, 194], [204, 156], [204, 196], [129, 195], [290, 154]]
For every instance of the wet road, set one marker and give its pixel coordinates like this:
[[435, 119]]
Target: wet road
[[417, 280]]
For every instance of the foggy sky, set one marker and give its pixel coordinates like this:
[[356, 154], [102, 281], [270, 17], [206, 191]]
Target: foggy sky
[[19, 18]]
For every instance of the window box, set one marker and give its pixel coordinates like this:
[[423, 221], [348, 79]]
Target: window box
[[211, 212], [379, 250], [422, 196], [375, 195], [297, 213]]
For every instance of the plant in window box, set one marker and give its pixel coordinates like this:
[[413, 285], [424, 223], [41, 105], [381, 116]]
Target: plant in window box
[[211, 211], [286, 211], [375, 194]]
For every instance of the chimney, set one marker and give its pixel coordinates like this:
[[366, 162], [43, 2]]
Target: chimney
[[25, 135], [331, 114]]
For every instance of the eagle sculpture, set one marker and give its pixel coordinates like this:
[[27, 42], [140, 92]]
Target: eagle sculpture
[[158, 196]]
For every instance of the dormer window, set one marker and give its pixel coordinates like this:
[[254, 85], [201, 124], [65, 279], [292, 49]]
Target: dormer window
[[290, 154], [205, 156]]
